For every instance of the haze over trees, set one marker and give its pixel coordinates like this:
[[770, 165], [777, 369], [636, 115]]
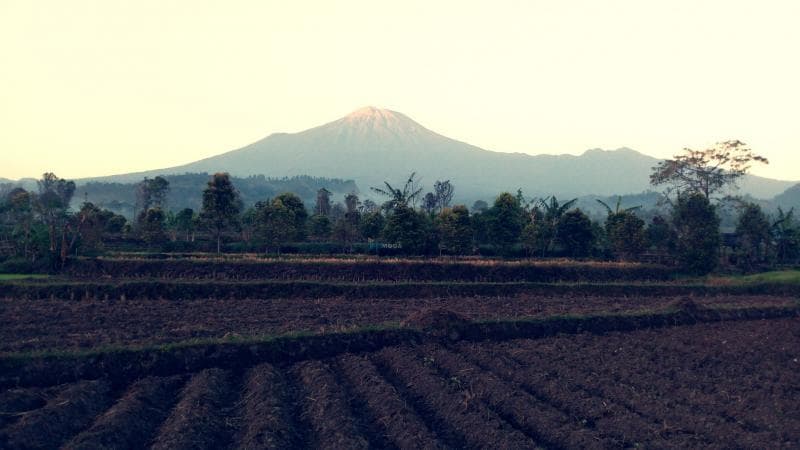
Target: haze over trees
[[42, 226]]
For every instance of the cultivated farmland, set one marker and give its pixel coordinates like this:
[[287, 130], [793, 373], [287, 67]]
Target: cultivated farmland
[[251, 353]]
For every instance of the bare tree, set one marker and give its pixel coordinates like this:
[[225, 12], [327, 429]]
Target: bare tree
[[444, 193], [706, 171]]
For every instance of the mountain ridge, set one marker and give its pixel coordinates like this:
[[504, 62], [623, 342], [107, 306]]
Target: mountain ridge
[[371, 145]]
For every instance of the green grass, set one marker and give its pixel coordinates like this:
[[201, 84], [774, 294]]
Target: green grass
[[21, 276], [776, 277]]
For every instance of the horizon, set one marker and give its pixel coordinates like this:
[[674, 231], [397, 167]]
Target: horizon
[[98, 89]]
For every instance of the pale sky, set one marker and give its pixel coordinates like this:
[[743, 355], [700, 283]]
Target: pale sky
[[91, 88]]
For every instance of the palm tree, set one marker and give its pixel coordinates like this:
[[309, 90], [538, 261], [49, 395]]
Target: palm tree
[[553, 212], [617, 210], [400, 197]]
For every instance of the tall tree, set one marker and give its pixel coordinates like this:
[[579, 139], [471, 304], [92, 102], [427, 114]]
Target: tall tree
[[52, 205], [151, 193], [455, 230], [786, 234], [575, 233], [752, 236], [697, 233], [706, 171], [624, 230], [505, 220], [346, 229], [406, 229], [276, 223], [444, 193], [184, 223], [479, 206], [430, 203], [323, 205], [372, 224], [551, 213], [17, 208], [298, 209], [221, 206], [152, 226]]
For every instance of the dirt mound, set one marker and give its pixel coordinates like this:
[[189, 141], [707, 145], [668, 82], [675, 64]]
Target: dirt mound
[[687, 305], [437, 321]]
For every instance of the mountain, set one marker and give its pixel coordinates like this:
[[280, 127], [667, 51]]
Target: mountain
[[374, 145], [789, 198]]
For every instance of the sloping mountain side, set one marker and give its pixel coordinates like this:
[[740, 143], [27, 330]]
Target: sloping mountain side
[[790, 198], [186, 191], [374, 145]]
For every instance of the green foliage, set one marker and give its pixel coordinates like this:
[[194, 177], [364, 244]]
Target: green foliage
[[575, 233], [152, 226], [697, 230], [52, 204], [786, 235], [152, 193], [221, 206], [661, 235], [625, 234], [536, 237], [406, 228], [753, 237], [319, 227], [455, 230], [505, 220], [372, 224], [184, 223], [298, 210], [275, 223]]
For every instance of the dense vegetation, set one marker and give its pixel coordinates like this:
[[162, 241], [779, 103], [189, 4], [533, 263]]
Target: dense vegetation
[[40, 229]]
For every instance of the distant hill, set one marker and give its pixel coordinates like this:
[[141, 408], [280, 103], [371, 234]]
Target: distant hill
[[374, 145], [186, 191], [789, 198]]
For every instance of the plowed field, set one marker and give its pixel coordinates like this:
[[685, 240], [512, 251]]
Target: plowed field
[[713, 385]]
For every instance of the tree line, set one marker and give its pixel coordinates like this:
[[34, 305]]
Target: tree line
[[39, 226]]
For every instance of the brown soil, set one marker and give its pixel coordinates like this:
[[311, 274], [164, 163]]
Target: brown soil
[[326, 408], [60, 324], [132, 421], [268, 411], [64, 415], [469, 422], [397, 420], [199, 418], [712, 385]]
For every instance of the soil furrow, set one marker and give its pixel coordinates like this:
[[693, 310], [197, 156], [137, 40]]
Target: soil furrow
[[396, 418], [546, 424], [133, 420], [201, 418], [613, 367], [268, 411], [326, 408], [15, 403], [64, 415], [480, 427], [596, 412]]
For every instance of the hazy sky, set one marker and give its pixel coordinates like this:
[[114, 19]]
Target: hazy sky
[[100, 87]]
